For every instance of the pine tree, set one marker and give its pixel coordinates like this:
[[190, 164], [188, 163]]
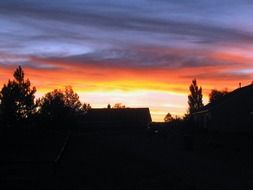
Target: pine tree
[[17, 99]]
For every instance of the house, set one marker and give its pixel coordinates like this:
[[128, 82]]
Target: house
[[109, 118], [231, 113]]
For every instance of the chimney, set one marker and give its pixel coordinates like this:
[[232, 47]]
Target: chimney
[[240, 85]]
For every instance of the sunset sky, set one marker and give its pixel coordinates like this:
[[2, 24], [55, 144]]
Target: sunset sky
[[142, 53]]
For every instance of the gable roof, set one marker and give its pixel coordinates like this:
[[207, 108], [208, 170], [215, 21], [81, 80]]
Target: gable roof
[[121, 115], [245, 92]]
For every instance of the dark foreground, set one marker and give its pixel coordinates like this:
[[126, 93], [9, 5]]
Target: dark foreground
[[119, 160]]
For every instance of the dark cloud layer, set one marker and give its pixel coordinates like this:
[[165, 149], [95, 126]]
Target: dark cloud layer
[[132, 57]]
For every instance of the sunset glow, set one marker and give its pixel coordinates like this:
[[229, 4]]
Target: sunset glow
[[142, 54]]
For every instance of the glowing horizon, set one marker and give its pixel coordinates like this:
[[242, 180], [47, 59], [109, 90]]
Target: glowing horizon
[[161, 97]]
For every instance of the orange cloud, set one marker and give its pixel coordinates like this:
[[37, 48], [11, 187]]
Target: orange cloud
[[99, 77]]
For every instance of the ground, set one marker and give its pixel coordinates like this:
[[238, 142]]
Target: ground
[[120, 160]]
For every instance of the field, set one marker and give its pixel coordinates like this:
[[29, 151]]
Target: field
[[120, 160]]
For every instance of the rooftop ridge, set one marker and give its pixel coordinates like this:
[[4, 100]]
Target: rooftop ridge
[[225, 98]]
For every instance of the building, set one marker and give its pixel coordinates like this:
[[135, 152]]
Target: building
[[109, 118], [232, 113]]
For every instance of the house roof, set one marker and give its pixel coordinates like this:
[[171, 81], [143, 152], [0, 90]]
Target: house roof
[[246, 91], [121, 115]]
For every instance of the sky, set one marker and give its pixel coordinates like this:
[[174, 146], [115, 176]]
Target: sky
[[142, 53]]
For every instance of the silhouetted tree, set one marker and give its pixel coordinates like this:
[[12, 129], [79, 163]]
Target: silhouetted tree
[[61, 108], [168, 117], [86, 107], [52, 107], [109, 106], [72, 100], [195, 97], [119, 106], [216, 95], [8, 107], [17, 99]]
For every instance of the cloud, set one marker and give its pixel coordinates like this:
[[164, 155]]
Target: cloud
[[142, 67], [117, 23], [151, 57]]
